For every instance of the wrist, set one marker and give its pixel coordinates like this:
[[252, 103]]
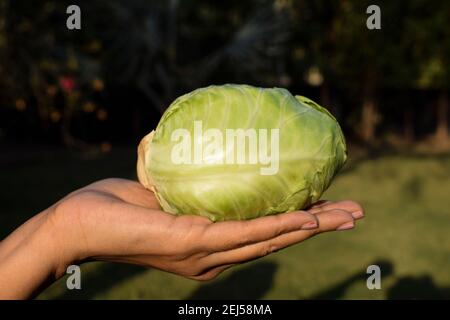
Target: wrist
[[62, 239], [32, 256]]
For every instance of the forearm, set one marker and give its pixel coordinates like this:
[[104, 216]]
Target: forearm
[[30, 257]]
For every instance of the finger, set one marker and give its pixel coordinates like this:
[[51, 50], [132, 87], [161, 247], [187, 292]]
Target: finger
[[328, 221], [212, 273], [233, 234], [319, 204], [347, 205]]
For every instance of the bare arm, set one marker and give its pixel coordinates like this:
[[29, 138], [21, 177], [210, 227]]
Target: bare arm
[[29, 257]]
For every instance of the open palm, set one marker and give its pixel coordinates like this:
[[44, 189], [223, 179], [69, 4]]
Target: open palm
[[119, 220]]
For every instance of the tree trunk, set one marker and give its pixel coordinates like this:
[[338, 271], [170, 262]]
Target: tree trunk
[[369, 115], [408, 125], [67, 138], [325, 96], [327, 101], [172, 32], [442, 132], [136, 122], [42, 101]]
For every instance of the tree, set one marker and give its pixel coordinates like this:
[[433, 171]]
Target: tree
[[160, 49], [432, 54], [315, 35]]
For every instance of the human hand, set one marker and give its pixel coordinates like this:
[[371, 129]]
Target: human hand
[[119, 220]]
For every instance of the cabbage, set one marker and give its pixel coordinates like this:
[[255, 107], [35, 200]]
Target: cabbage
[[235, 152]]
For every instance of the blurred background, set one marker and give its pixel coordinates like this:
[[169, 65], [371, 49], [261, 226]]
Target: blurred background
[[75, 103]]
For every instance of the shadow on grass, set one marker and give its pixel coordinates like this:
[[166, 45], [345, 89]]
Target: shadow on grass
[[408, 287], [101, 280], [422, 287], [338, 291], [252, 282]]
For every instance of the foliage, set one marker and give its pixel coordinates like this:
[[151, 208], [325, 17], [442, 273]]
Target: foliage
[[132, 58]]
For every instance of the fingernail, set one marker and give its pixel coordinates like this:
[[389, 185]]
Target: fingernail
[[309, 225], [357, 214], [346, 226]]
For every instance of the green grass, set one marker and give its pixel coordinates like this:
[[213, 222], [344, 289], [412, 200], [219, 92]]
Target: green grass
[[406, 232]]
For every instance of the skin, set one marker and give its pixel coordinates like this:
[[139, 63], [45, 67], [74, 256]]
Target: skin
[[118, 220]]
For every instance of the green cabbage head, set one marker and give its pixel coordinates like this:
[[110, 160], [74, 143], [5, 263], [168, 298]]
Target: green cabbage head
[[268, 152]]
